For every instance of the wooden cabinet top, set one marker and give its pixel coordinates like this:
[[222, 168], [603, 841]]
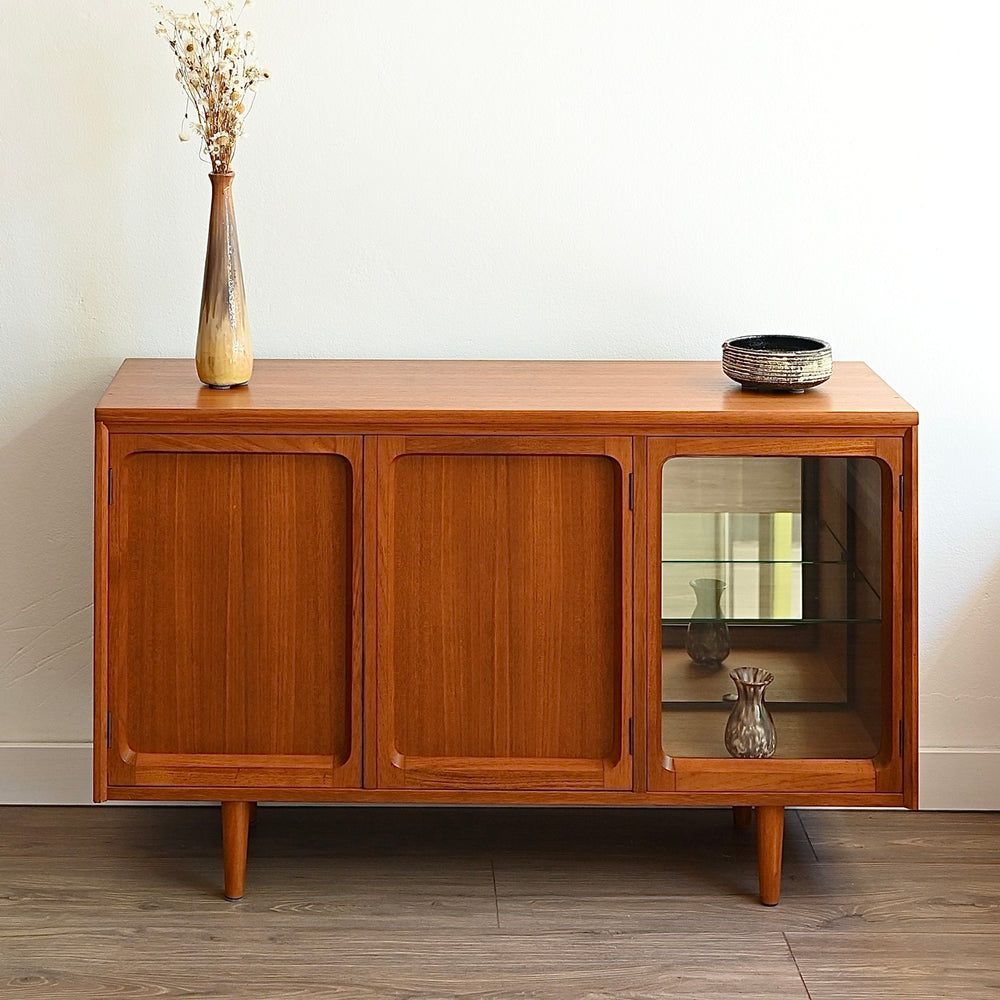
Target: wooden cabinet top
[[518, 395]]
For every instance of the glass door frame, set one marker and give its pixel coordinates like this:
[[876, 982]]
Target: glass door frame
[[786, 776]]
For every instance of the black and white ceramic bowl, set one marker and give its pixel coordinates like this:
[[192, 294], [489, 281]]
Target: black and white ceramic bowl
[[777, 363]]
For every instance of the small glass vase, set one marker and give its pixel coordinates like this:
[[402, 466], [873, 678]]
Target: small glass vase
[[224, 352], [707, 638], [750, 729]]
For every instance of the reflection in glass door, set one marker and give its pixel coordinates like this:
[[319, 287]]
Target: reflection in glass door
[[796, 545]]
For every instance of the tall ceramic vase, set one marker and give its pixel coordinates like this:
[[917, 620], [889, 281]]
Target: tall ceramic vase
[[224, 353], [707, 637], [750, 729]]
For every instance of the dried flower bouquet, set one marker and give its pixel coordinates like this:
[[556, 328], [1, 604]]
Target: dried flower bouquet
[[219, 73]]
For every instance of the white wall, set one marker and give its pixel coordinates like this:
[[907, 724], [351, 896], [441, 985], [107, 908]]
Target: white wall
[[507, 178]]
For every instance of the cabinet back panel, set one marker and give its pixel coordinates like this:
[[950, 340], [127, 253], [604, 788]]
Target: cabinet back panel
[[506, 606], [233, 602]]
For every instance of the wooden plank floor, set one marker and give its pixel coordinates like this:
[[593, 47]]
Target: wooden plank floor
[[496, 904]]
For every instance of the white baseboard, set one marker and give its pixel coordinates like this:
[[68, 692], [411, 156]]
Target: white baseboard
[[960, 779], [61, 774], [46, 774]]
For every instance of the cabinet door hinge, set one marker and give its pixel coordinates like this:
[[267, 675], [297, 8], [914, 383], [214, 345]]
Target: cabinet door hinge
[[110, 486], [631, 736], [109, 730], [631, 491]]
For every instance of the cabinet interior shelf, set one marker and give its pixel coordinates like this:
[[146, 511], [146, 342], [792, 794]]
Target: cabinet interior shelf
[[804, 677], [810, 733], [809, 699]]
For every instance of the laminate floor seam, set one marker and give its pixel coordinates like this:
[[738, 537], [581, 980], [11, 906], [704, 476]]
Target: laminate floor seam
[[797, 813], [791, 954], [496, 897]]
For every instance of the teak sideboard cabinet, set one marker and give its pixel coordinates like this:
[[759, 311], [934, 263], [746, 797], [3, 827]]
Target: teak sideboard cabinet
[[471, 582]]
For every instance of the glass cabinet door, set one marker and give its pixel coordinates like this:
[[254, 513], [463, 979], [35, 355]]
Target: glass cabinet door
[[781, 563]]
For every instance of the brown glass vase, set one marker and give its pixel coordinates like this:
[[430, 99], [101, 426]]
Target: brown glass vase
[[707, 637], [750, 728], [224, 353]]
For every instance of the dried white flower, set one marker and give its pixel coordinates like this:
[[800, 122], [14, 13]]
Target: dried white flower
[[217, 69]]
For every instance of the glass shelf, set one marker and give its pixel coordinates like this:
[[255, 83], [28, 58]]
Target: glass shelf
[[754, 562], [775, 622], [772, 590]]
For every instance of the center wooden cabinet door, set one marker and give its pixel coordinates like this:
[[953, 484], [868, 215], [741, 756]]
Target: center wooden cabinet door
[[234, 645], [501, 614]]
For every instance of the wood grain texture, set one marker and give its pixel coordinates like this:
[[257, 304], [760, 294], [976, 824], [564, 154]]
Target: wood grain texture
[[721, 774], [235, 830], [905, 966], [506, 596], [886, 838], [502, 648], [498, 966], [891, 768], [800, 675], [230, 600], [597, 904], [803, 734], [909, 649], [467, 796], [558, 395], [677, 871], [683, 897], [370, 592], [235, 612], [102, 485], [770, 838]]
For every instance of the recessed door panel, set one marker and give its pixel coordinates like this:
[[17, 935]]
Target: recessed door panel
[[502, 636], [234, 626]]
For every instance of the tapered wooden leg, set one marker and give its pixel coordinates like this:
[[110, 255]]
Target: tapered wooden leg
[[742, 817], [770, 836], [235, 825]]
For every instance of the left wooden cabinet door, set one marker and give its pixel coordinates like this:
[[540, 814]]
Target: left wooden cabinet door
[[233, 611]]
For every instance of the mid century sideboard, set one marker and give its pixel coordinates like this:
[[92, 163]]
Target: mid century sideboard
[[468, 582]]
